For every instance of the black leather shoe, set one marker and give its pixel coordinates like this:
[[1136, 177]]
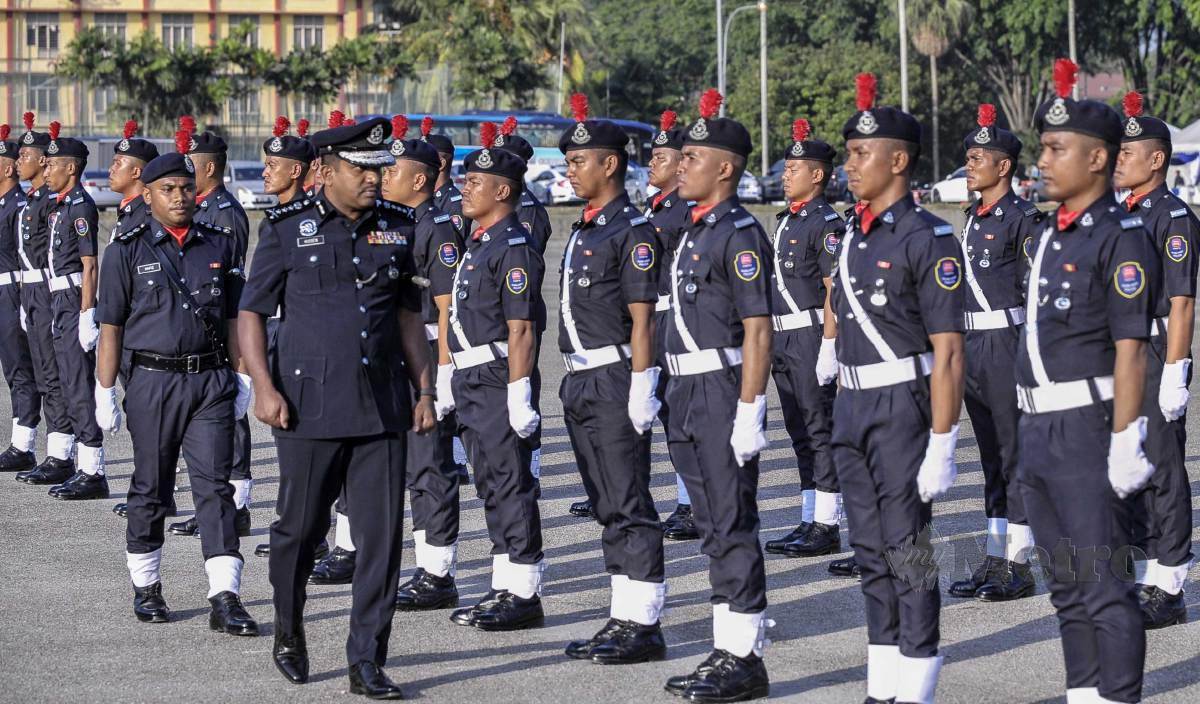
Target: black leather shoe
[[732, 679], [632, 643], [322, 549], [51, 471], [509, 612], [873, 700], [149, 605], [1143, 592], [1011, 580], [846, 567], [427, 592], [464, 477], [82, 486], [967, 588], [678, 685], [290, 654], [336, 568], [582, 509], [681, 524], [821, 539], [1162, 609], [262, 550], [775, 547], [241, 522], [465, 617], [582, 649], [188, 527], [368, 680], [14, 460], [121, 509], [230, 616]]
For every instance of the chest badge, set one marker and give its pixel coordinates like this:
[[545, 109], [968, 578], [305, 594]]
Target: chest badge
[[1063, 302], [377, 237], [308, 227]]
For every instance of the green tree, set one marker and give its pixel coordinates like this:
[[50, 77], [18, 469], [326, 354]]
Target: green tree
[[366, 57], [934, 24], [305, 72]]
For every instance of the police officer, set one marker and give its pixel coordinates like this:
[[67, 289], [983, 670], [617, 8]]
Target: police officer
[[25, 399], [998, 230], [168, 305], [898, 300], [805, 246], [530, 210], [339, 402], [607, 288], [496, 317], [215, 205], [432, 480], [718, 353], [71, 263], [1164, 529], [37, 312], [1081, 370]]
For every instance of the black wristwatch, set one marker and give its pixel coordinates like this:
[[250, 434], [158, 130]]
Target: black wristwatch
[[428, 392]]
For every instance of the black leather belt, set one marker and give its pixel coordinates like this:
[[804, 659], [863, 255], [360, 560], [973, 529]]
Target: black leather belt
[[187, 364]]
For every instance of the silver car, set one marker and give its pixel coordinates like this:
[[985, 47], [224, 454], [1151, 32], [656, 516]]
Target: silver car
[[96, 185], [244, 180]]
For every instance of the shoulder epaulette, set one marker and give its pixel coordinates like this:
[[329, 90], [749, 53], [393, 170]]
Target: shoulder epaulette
[[514, 241], [224, 204], [942, 230], [744, 222], [215, 229], [1130, 223], [830, 216], [455, 198], [526, 203], [1179, 213], [77, 201], [639, 220], [438, 219], [1031, 210], [691, 204], [130, 234], [285, 211]]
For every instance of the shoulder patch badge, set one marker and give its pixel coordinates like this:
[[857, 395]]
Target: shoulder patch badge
[[746, 265], [642, 256], [832, 240], [528, 226], [947, 273], [448, 254], [1027, 247], [516, 280], [457, 221], [1129, 279], [1177, 248], [81, 227]]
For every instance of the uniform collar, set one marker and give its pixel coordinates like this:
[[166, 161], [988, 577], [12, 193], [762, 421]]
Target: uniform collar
[[1145, 200], [162, 235], [808, 206], [606, 213], [498, 231], [214, 195], [868, 220], [326, 211], [127, 204], [12, 192], [984, 210], [448, 190], [68, 194], [423, 209], [1082, 220], [716, 212], [662, 200]]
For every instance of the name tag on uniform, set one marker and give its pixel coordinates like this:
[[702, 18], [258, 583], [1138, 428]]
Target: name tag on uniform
[[310, 241], [386, 238], [149, 268]]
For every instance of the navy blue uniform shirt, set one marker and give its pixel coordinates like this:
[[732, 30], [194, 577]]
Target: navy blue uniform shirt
[[999, 242], [436, 254], [448, 199], [1175, 232], [535, 219], [670, 215], [806, 247], [33, 228], [72, 222], [219, 207], [129, 215], [10, 209]]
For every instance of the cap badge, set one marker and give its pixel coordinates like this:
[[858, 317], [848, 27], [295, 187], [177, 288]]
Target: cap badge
[[983, 136], [699, 130], [28, 138], [123, 146], [3, 150], [499, 141], [276, 145], [581, 135], [661, 138], [484, 160], [1057, 114], [798, 149], [1132, 127], [53, 148], [192, 144], [187, 164], [866, 123], [398, 147], [376, 135]]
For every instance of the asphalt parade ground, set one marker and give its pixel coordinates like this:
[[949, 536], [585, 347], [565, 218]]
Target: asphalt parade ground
[[67, 633]]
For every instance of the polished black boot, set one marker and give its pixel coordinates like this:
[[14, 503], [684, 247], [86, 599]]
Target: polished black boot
[[732, 679], [368, 680], [51, 471], [121, 509], [582, 509], [290, 654], [336, 568], [967, 588], [775, 547], [1011, 580], [1162, 609], [821, 539], [846, 567], [427, 592], [14, 460], [188, 527], [678, 685], [81, 487], [509, 612], [681, 524], [241, 522], [149, 605], [466, 617], [632, 643], [230, 616], [582, 649]]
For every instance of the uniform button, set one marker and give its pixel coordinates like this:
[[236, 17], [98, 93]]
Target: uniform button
[[362, 309], [186, 306], [365, 361], [354, 236], [1043, 281], [358, 285], [296, 372], [356, 260], [364, 334], [312, 258]]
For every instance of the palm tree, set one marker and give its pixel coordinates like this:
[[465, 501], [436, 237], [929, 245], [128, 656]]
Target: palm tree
[[936, 23]]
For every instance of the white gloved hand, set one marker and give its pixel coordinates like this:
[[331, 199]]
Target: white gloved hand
[[749, 435], [1173, 391], [643, 403], [827, 364], [108, 411], [89, 333], [24, 320], [241, 403], [1128, 468], [521, 416], [444, 402], [938, 470]]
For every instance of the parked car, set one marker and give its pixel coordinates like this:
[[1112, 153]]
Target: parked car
[[772, 183], [838, 188], [96, 185], [953, 188], [458, 174], [558, 188], [244, 180], [637, 184], [749, 190]]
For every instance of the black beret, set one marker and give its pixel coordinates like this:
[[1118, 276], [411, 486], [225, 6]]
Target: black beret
[[805, 149], [37, 140], [668, 135], [67, 147], [9, 148], [441, 143], [207, 143], [590, 134], [169, 164], [718, 132], [290, 147], [1139, 126], [138, 149], [492, 160], [872, 122], [1064, 114], [416, 150], [360, 144], [516, 144], [988, 136]]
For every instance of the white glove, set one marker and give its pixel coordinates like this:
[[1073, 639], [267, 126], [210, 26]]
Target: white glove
[[938, 470], [89, 333], [24, 320], [827, 364], [241, 404], [1173, 391], [444, 403], [749, 437], [521, 416], [1128, 468], [108, 411], [643, 403]]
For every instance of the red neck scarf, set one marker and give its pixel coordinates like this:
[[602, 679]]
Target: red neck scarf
[[699, 211], [590, 213], [179, 233], [1066, 218], [1131, 202], [797, 206]]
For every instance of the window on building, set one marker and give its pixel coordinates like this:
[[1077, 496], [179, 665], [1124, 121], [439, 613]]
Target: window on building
[[243, 109], [43, 94], [177, 31], [309, 32], [104, 101], [308, 108], [111, 25], [41, 34], [236, 21]]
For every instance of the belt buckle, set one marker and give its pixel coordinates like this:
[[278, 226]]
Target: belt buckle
[[193, 363]]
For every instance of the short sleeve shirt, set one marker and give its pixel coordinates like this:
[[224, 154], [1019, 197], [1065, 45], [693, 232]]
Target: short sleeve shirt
[[806, 246]]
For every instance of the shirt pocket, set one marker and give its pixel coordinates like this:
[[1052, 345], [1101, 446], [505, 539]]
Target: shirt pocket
[[1065, 295], [696, 277], [302, 379], [593, 278], [313, 271], [151, 292]]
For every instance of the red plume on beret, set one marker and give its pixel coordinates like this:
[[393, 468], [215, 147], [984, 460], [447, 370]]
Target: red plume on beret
[[865, 88], [987, 115], [187, 123], [302, 127], [281, 126], [349, 121], [399, 126], [1065, 72], [1132, 104], [579, 107], [426, 126], [27, 118], [710, 103], [509, 126], [800, 130], [55, 128], [337, 118], [487, 134], [5, 130], [131, 127], [667, 120], [183, 141]]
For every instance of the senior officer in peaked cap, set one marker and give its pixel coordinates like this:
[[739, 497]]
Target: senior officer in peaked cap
[[496, 317], [898, 299], [607, 288], [340, 402], [1164, 526], [530, 210], [999, 231], [168, 309], [718, 354], [1081, 373], [804, 366]]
